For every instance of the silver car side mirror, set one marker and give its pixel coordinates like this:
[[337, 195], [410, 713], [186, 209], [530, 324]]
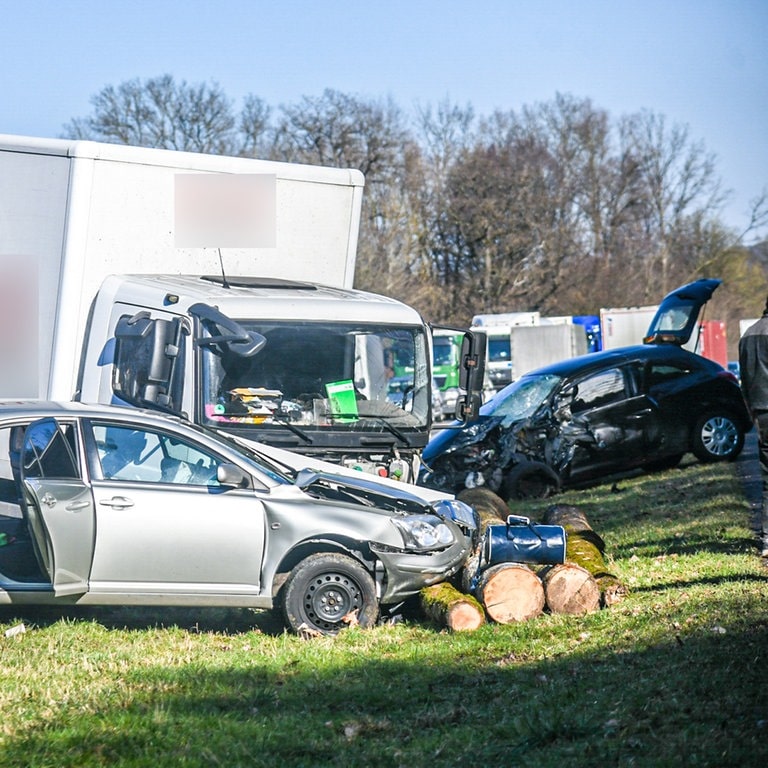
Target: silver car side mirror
[[232, 475]]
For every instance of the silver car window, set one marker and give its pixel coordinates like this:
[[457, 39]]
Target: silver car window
[[10, 470], [50, 451], [152, 457]]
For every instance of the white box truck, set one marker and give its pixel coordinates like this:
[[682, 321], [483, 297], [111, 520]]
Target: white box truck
[[215, 287], [519, 342]]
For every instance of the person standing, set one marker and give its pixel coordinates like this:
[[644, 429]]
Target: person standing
[[753, 365]]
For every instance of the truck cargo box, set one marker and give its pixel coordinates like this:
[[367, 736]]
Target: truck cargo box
[[73, 212]]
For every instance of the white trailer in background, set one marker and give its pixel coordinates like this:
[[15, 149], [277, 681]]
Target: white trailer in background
[[625, 326], [519, 342], [746, 323]]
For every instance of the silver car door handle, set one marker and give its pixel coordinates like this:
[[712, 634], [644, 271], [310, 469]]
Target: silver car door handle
[[76, 506], [117, 502]]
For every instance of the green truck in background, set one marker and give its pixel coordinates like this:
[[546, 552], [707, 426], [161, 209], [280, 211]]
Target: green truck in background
[[446, 353]]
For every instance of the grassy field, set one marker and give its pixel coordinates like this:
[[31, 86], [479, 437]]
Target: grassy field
[[676, 674]]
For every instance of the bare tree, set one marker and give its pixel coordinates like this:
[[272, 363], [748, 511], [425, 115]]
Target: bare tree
[[161, 113], [552, 209], [346, 131], [680, 190], [527, 201], [341, 130], [758, 216], [445, 134], [255, 129]]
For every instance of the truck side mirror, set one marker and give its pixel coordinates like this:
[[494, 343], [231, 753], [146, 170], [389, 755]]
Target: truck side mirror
[[471, 375], [147, 364], [226, 333], [472, 369], [468, 407]]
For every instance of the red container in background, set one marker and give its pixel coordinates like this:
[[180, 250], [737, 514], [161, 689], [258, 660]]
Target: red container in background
[[713, 343]]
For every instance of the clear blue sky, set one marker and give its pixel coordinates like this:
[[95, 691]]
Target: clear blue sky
[[700, 63]]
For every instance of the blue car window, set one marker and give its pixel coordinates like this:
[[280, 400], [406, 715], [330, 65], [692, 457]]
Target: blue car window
[[601, 389]]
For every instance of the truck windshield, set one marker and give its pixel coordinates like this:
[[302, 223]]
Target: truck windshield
[[443, 352], [320, 376], [499, 349]]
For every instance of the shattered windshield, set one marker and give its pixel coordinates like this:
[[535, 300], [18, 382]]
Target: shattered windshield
[[320, 375], [522, 398]]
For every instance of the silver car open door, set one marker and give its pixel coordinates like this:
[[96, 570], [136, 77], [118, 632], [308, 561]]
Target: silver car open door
[[58, 505]]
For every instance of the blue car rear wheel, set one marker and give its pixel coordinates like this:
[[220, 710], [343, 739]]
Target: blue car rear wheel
[[716, 437]]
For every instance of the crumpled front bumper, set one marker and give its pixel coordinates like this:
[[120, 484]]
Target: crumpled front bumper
[[408, 572]]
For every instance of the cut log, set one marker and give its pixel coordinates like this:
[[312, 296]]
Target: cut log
[[585, 548], [583, 552], [469, 573], [444, 604], [574, 521], [510, 592], [490, 507], [569, 588]]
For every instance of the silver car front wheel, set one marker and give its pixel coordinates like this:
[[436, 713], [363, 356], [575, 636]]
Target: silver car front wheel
[[327, 592]]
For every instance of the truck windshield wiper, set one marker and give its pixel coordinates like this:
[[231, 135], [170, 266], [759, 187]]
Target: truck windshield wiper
[[379, 420], [292, 427], [391, 429]]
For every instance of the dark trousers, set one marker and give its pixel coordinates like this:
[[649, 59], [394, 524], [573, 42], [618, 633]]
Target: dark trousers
[[761, 422]]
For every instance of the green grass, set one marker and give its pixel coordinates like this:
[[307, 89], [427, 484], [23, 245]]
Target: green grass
[[674, 675]]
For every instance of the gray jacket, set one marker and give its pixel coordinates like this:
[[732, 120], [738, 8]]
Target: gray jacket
[[753, 364]]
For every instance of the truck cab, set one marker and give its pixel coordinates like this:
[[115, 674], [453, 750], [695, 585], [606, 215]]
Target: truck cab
[[294, 365]]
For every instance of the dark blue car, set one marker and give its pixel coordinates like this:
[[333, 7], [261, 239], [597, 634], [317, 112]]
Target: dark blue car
[[599, 414]]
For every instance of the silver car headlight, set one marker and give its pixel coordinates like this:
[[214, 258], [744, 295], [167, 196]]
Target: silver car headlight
[[424, 532], [453, 509]]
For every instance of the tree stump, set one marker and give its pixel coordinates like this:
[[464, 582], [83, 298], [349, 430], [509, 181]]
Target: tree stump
[[445, 605], [510, 592], [569, 588]]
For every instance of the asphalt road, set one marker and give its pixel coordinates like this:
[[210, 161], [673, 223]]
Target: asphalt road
[[748, 467]]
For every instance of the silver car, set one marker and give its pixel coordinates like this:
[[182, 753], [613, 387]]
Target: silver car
[[116, 506]]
